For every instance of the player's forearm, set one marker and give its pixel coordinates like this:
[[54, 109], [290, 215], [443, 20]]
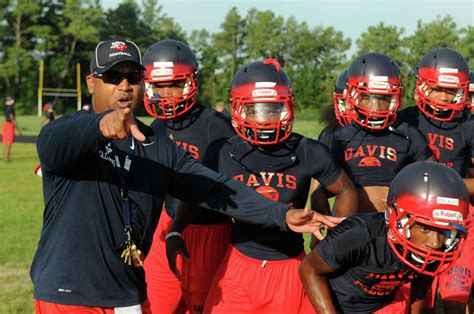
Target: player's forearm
[[317, 289], [185, 214], [319, 201], [347, 201]]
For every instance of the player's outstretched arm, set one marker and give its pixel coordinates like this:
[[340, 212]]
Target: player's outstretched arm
[[312, 274]]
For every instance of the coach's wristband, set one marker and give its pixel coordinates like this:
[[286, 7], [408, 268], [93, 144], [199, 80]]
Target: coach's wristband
[[172, 234]]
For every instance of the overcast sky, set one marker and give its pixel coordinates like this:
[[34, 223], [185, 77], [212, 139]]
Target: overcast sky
[[352, 17]]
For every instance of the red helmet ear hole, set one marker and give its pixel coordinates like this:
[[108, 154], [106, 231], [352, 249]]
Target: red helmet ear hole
[[274, 62]]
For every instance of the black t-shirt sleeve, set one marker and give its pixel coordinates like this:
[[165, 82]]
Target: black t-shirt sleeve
[[190, 181], [325, 167], [419, 148], [346, 245]]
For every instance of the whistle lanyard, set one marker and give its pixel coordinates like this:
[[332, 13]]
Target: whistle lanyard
[[124, 176]]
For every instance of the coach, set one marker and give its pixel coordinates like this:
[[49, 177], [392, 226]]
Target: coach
[[103, 173]]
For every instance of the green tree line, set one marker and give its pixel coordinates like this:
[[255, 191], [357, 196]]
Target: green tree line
[[65, 32]]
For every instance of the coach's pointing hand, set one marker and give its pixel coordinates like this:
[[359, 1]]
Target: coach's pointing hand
[[306, 220], [119, 124]]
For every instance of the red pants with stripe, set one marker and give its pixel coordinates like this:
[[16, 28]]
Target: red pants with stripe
[[206, 245]]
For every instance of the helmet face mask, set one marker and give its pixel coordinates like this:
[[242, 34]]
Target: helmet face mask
[[442, 69], [169, 62], [470, 97], [419, 199], [374, 91], [375, 110], [262, 103], [341, 109]]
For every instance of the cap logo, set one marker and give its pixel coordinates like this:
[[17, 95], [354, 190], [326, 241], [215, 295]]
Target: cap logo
[[118, 45], [445, 214], [447, 201]]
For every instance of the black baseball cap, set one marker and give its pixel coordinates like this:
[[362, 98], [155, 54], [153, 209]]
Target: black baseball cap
[[109, 53]]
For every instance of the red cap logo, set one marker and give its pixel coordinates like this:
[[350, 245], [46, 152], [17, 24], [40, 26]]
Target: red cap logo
[[118, 45]]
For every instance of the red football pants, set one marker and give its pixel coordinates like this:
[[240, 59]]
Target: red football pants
[[246, 285], [43, 307], [206, 245]]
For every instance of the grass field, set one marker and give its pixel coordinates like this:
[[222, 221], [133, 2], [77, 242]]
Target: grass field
[[21, 209]]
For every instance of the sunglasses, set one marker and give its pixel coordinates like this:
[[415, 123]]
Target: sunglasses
[[112, 77]]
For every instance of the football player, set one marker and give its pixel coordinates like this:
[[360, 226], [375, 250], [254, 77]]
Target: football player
[[441, 92], [171, 96], [371, 150], [361, 263], [333, 117], [260, 270]]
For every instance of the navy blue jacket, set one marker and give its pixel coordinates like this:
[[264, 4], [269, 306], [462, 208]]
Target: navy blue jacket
[[78, 261]]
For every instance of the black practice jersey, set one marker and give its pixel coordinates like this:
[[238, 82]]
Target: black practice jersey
[[195, 133], [366, 271], [374, 158], [78, 258], [452, 142], [282, 173]]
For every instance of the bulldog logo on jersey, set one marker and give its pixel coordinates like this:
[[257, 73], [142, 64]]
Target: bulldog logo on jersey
[[369, 162], [269, 192]]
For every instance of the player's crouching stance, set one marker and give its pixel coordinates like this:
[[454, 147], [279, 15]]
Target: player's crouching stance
[[360, 264]]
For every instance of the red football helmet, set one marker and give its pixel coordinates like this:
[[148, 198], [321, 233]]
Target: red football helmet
[[432, 195], [169, 61], [340, 107], [442, 68], [262, 103], [374, 90]]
